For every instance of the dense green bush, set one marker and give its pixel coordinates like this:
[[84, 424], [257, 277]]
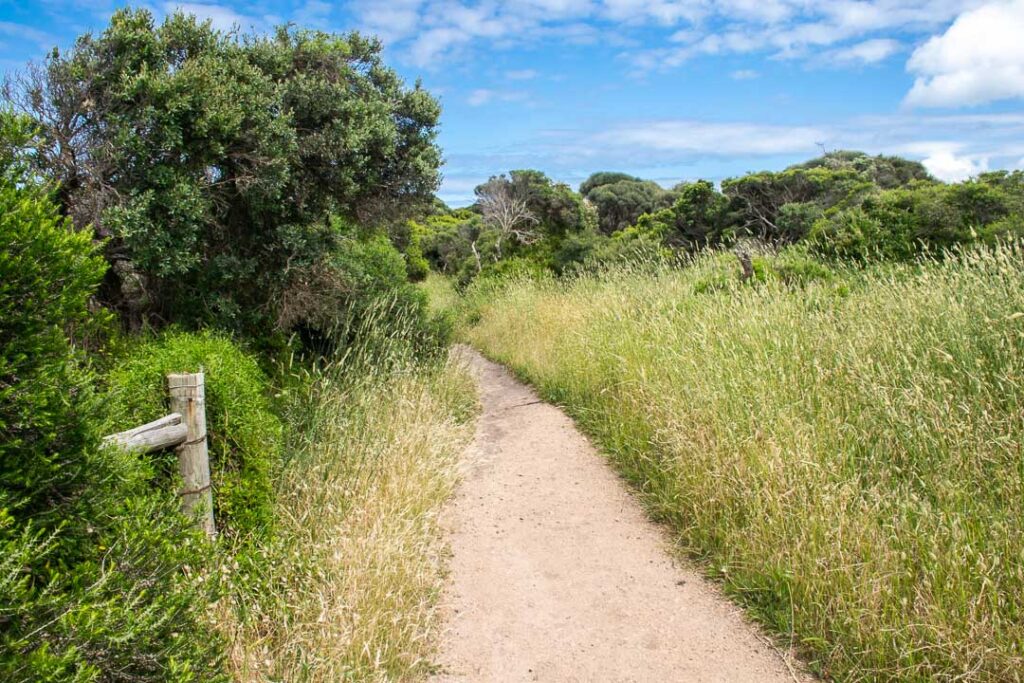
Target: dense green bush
[[47, 274], [245, 434], [92, 586], [213, 165], [901, 223], [858, 235]]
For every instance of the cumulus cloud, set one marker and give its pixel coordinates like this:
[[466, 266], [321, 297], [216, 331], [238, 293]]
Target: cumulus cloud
[[979, 59], [946, 165]]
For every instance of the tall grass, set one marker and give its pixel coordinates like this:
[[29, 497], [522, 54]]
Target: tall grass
[[846, 456], [347, 590]]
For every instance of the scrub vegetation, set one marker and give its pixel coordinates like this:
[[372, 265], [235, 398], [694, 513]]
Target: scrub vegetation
[[812, 375]]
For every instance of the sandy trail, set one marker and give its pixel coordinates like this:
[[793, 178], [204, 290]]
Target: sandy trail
[[558, 576]]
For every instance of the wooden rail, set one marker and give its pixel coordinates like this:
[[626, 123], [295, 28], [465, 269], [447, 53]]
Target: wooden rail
[[167, 432], [185, 431]]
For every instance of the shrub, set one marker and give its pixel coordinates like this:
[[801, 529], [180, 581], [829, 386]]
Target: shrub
[[857, 235], [795, 267], [224, 158], [245, 435], [91, 587], [47, 274]]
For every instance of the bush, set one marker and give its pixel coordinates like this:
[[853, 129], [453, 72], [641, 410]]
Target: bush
[[245, 435], [225, 159], [855, 234], [91, 587], [795, 267]]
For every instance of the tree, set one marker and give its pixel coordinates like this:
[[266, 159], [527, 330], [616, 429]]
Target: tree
[[700, 214], [212, 167], [758, 198], [620, 203], [605, 178], [884, 171], [505, 207]]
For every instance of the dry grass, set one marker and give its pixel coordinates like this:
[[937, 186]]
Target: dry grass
[[846, 457], [348, 589]]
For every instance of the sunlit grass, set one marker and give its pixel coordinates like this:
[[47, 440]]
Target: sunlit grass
[[348, 589], [847, 456], [440, 290]]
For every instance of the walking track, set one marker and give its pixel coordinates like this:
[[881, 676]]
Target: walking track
[[558, 576]]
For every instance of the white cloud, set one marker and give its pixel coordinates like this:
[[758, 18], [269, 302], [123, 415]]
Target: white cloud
[[431, 30], [43, 39], [480, 97], [222, 18], [866, 52], [946, 165], [953, 146], [704, 137], [979, 59], [743, 75]]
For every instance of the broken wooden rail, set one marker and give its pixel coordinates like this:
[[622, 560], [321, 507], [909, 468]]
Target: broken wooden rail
[[185, 431]]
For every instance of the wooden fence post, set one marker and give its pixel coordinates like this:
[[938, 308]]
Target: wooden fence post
[[188, 398]]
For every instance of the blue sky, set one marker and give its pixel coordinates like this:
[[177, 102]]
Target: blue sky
[[666, 89]]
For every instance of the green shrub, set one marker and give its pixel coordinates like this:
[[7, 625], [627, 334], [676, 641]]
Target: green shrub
[[47, 274], [795, 267], [1009, 228], [512, 268], [91, 558], [857, 235], [245, 435]]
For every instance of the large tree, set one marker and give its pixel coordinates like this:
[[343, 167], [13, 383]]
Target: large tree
[[223, 171]]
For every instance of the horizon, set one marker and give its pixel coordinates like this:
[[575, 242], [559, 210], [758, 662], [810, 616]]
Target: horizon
[[667, 90]]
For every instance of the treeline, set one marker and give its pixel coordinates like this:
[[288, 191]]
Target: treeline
[[842, 205], [175, 198]]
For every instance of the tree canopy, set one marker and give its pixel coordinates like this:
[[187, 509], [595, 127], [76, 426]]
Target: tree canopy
[[223, 173]]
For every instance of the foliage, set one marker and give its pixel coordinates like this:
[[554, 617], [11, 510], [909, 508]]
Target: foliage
[[759, 198], [602, 178], [620, 203], [47, 274], [929, 217], [884, 171], [244, 434], [212, 165], [92, 586]]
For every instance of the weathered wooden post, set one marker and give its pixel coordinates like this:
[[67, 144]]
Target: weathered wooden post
[[188, 398]]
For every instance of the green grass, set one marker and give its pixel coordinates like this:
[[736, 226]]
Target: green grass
[[441, 294], [846, 455]]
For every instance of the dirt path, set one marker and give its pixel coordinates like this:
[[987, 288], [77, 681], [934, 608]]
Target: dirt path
[[558, 576]]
